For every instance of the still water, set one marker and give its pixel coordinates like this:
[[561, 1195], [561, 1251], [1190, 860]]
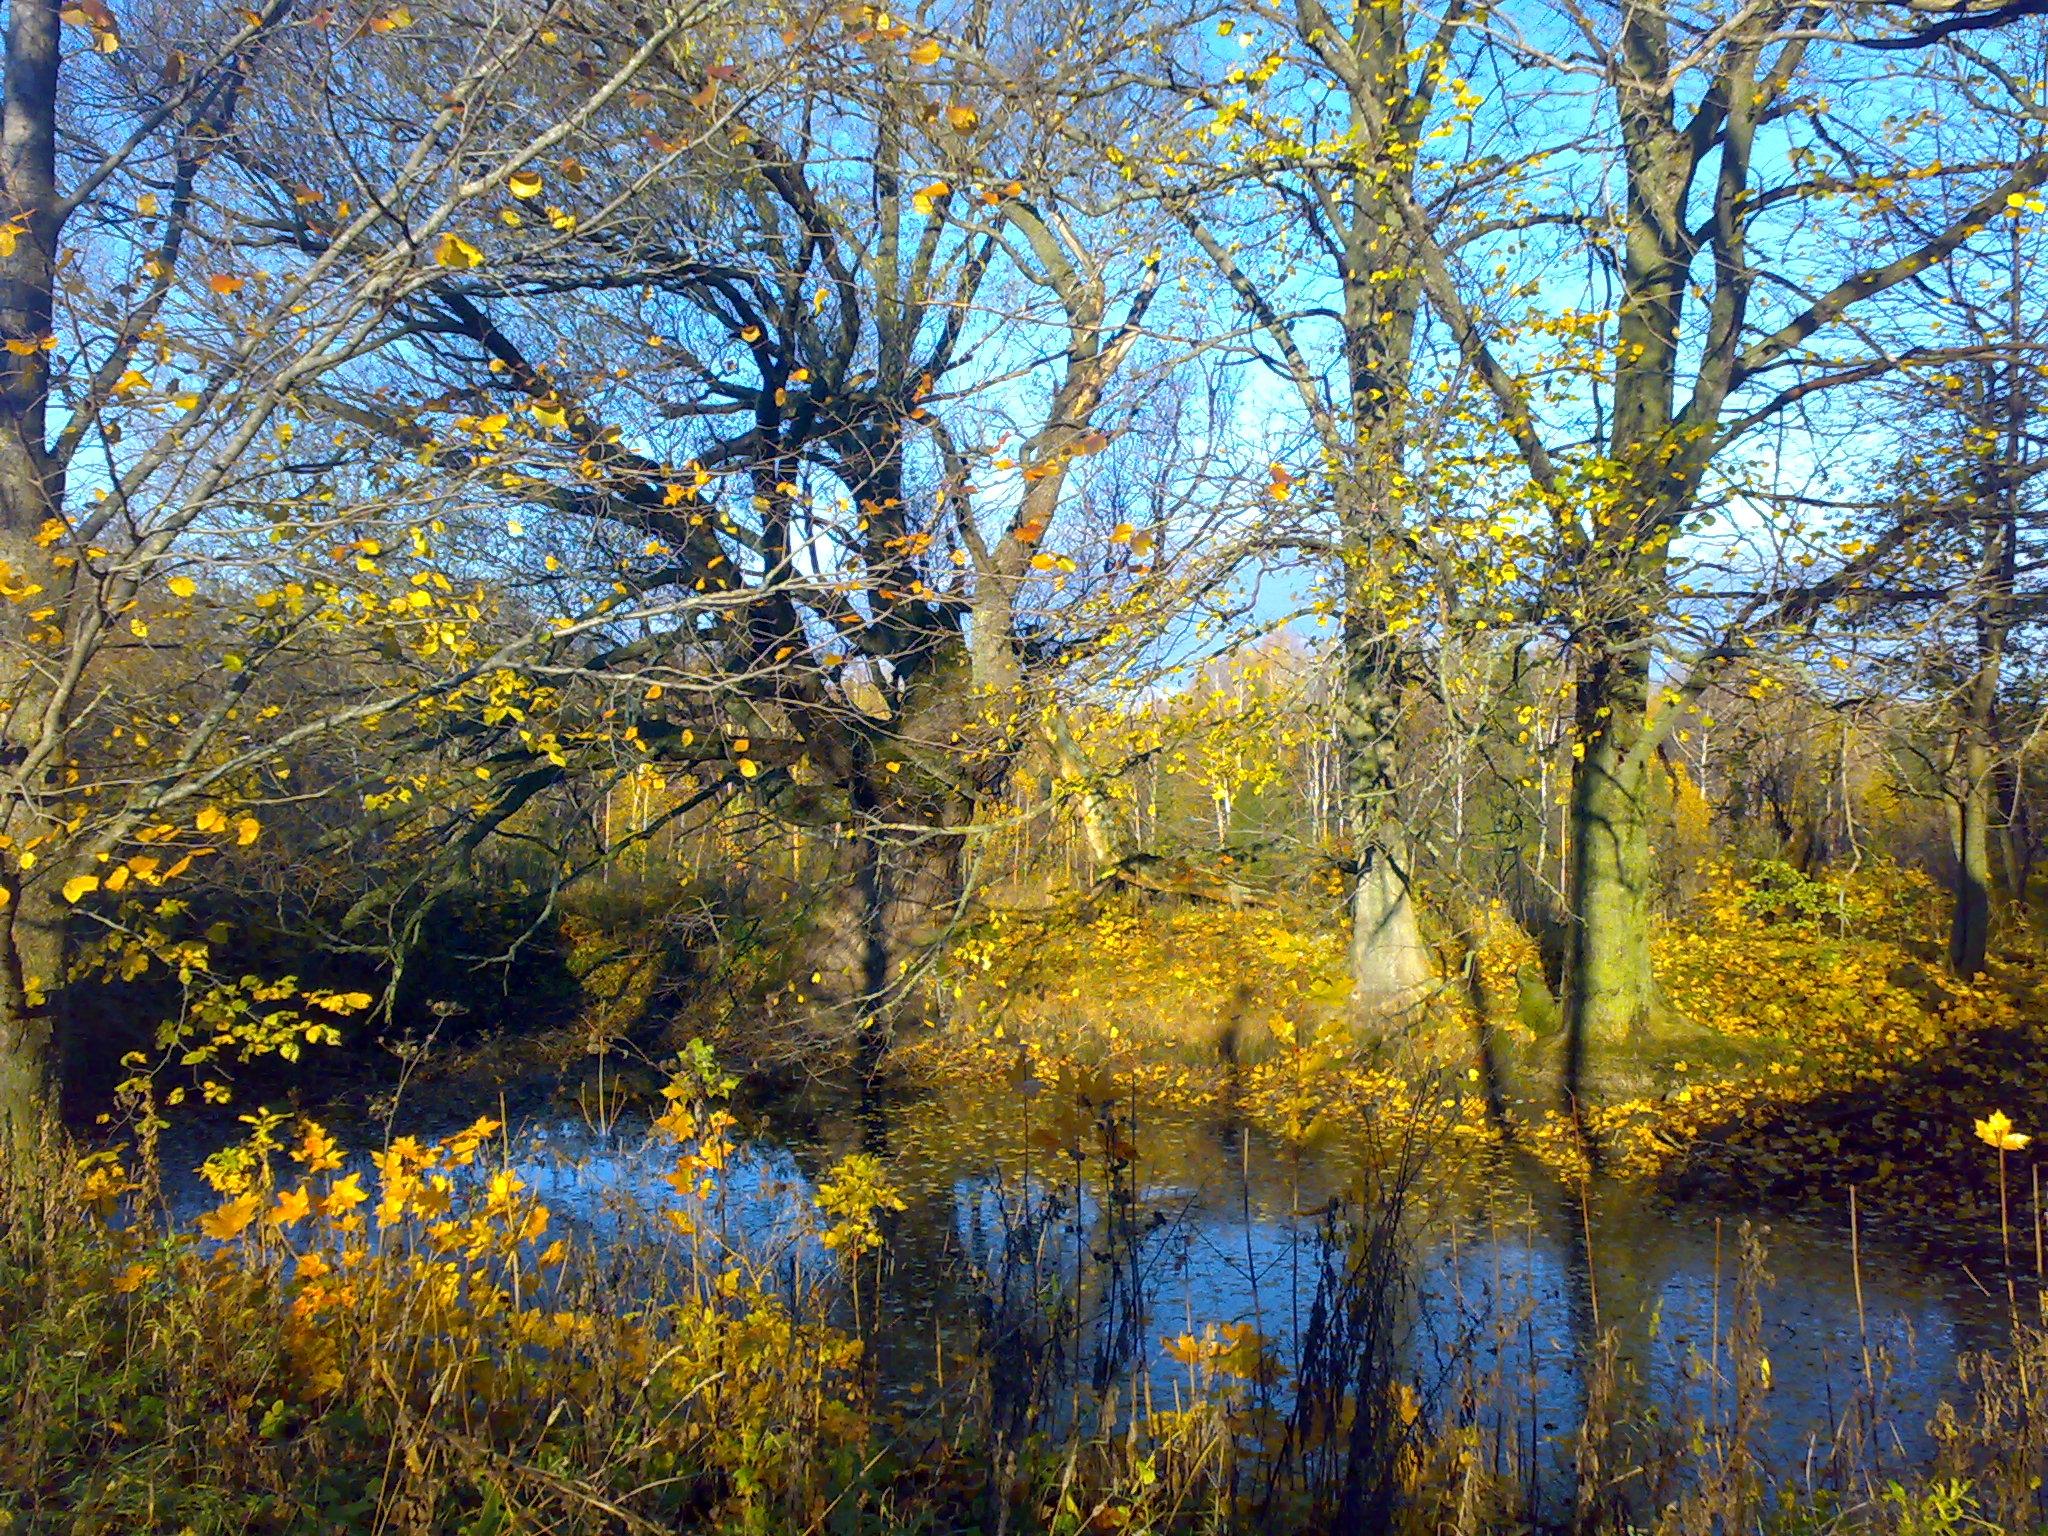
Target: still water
[[1208, 1223]]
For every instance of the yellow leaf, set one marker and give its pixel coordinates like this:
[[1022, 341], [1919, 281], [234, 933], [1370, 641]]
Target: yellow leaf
[[225, 1221], [292, 1205], [79, 886], [927, 52], [456, 252], [925, 197], [524, 183], [749, 768], [133, 1278], [1997, 1131], [247, 830], [962, 118], [226, 283], [343, 1195], [183, 586], [211, 819]]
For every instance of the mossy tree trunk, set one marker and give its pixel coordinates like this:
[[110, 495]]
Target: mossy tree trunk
[[1609, 996], [1656, 458]]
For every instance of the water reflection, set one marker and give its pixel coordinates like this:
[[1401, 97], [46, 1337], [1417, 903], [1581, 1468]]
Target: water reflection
[[1070, 1255]]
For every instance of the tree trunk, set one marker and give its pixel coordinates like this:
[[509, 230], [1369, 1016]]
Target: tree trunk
[[1609, 994], [1392, 969], [31, 959], [2015, 833], [31, 934], [888, 902], [29, 479], [1969, 933], [1970, 920], [1997, 576]]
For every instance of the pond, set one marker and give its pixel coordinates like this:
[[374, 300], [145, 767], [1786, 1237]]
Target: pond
[[1185, 1226]]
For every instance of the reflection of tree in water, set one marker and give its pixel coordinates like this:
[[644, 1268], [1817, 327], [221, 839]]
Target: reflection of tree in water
[[1048, 1249]]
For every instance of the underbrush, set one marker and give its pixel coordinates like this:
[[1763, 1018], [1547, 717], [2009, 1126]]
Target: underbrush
[[315, 1354]]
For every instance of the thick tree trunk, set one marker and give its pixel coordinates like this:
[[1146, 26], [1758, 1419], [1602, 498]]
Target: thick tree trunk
[[890, 901], [1609, 994], [1392, 969]]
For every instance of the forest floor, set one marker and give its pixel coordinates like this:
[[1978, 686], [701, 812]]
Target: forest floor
[[1813, 1042]]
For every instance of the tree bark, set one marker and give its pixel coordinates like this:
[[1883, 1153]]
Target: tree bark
[[31, 959], [1392, 969], [1609, 995], [1977, 802], [29, 489], [1969, 934], [31, 929]]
